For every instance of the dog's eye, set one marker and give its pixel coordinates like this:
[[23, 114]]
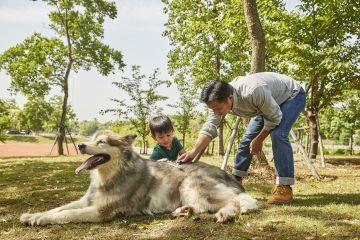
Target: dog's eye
[[101, 141]]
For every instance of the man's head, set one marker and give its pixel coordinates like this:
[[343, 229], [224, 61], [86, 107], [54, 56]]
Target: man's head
[[218, 96], [162, 130]]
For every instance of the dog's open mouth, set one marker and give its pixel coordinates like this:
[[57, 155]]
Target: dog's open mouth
[[93, 161]]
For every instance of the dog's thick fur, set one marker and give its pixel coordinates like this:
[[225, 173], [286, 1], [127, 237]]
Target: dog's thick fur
[[125, 184]]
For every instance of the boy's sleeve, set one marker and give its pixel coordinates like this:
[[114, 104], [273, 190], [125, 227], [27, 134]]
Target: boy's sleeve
[[155, 155]]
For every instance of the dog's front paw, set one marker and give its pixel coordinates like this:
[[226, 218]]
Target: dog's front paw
[[24, 218], [34, 219]]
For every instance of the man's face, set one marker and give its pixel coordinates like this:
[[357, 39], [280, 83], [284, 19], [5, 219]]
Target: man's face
[[221, 108]]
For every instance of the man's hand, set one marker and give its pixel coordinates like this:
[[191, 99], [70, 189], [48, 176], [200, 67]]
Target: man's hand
[[256, 146], [186, 157]]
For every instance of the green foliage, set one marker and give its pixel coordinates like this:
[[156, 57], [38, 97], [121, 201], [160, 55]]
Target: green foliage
[[185, 110], [54, 118], [5, 119], [35, 113], [35, 65], [40, 62], [142, 99], [88, 128], [319, 44], [342, 120], [210, 38]]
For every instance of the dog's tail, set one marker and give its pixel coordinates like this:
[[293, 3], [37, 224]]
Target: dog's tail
[[242, 203]]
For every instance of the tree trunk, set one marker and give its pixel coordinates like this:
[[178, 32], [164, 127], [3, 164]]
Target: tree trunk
[[256, 35], [322, 157], [61, 128], [314, 134], [258, 51], [65, 88], [144, 145], [221, 139], [183, 138], [351, 143]]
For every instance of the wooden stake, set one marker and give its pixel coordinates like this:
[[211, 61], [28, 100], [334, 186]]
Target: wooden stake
[[305, 157]]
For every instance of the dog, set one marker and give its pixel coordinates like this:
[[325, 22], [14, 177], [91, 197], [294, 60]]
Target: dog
[[125, 184]]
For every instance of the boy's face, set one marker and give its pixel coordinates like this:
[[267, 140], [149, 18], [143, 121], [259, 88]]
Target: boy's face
[[164, 139]]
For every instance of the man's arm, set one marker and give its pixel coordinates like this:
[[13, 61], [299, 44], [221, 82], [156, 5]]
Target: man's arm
[[256, 143], [201, 143]]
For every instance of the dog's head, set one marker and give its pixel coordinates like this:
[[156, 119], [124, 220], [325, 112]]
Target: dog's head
[[106, 148]]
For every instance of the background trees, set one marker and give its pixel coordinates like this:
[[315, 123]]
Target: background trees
[[40, 63], [185, 110], [5, 119]]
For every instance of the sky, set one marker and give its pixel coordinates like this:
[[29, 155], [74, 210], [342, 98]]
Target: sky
[[136, 32]]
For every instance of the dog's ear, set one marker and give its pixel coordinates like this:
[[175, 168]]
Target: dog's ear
[[130, 138]]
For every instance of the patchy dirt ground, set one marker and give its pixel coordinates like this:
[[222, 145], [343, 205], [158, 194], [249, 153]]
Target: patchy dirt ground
[[32, 149]]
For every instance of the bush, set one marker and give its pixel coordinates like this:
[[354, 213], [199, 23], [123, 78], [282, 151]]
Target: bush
[[339, 152]]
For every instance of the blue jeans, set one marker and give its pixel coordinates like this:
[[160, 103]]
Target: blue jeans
[[282, 150]]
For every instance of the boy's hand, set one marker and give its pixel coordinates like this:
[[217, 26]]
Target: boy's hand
[[186, 157]]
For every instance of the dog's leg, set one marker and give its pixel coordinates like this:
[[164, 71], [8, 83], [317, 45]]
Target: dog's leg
[[240, 204], [184, 211], [87, 214], [81, 203]]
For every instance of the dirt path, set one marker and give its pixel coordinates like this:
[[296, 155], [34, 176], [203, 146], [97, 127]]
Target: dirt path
[[29, 149], [37, 149]]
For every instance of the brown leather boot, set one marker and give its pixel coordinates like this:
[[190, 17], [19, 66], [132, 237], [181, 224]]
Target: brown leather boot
[[239, 180], [281, 194]]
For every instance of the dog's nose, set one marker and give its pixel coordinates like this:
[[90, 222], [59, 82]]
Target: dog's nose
[[81, 146]]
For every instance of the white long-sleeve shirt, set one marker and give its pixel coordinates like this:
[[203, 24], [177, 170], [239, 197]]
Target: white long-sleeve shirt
[[257, 94]]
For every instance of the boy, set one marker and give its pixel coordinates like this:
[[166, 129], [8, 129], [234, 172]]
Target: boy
[[167, 145]]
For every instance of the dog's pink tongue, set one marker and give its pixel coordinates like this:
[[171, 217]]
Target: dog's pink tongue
[[86, 164]]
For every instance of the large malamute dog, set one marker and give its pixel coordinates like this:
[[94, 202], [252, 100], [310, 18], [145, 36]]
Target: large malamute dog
[[124, 184]]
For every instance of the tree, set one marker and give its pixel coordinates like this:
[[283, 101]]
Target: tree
[[53, 121], [140, 103], [343, 119], [185, 112], [5, 119], [35, 114], [39, 63], [320, 45], [87, 128]]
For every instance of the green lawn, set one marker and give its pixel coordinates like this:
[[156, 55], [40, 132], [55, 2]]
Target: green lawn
[[322, 210], [19, 138]]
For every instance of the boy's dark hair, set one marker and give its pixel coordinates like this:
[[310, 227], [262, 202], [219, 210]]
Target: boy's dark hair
[[160, 124], [216, 90]]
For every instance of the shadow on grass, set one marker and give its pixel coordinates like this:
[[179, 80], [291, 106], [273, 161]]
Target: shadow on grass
[[344, 161], [326, 198], [21, 138]]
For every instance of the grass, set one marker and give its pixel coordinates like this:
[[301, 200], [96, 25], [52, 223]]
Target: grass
[[322, 210]]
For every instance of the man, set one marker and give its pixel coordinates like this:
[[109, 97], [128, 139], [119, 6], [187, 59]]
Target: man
[[274, 102]]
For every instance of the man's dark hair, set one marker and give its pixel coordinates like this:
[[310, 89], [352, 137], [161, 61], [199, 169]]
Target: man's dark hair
[[216, 91], [160, 124]]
